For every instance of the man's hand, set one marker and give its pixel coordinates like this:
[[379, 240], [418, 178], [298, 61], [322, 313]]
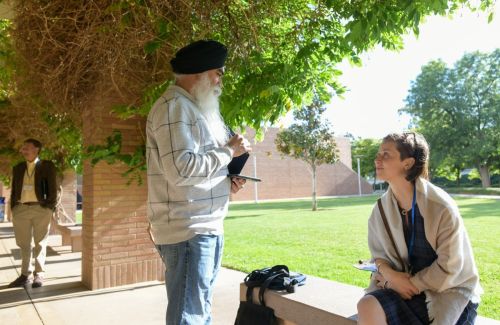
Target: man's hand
[[237, 184], [239, 144]]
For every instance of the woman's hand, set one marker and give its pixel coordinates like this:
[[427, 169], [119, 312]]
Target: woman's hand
[[397, 281]]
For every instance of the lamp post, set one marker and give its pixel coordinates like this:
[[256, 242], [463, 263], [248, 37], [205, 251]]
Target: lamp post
[[256, 195], [359, 174], [255, 186]]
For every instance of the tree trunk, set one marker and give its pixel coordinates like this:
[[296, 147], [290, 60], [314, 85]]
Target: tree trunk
[[485, 175], [314, 202], [458, 177]]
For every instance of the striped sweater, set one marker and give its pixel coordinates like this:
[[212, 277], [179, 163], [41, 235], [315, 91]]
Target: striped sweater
[[188, 190]]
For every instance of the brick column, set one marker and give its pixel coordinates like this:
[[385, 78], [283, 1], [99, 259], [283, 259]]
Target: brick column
[[117, 249], [68, 199]]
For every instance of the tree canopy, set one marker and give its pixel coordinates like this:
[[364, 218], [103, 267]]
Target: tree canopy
[[367, 150], [22, 118], [458, 111], [310, 139], [64, 53]]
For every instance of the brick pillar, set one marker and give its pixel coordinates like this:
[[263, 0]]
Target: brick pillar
[[117, 249], [68, 199]]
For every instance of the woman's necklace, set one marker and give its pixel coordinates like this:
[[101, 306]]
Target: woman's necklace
[[404, 213]]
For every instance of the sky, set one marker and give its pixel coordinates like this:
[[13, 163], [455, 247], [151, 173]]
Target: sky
[[377, 89]]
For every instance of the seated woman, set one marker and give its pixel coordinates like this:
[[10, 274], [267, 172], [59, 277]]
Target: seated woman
[[426, 271]]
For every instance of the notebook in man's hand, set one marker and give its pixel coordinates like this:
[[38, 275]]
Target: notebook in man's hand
[[236, 166]]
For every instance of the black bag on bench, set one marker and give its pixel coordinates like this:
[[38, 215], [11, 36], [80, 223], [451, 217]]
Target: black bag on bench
[[285, 280], [276, 278]]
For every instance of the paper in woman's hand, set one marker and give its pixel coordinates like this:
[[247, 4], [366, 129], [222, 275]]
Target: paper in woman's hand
[[365, 266]]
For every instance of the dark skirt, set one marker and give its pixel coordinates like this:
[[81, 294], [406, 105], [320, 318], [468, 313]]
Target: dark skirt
[[414, 311]]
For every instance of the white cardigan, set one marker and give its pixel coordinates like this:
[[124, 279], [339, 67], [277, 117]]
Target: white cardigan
[[452, 279]]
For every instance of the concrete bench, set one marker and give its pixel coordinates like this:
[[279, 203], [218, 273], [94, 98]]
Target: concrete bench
[[71, 235], [320, 302]]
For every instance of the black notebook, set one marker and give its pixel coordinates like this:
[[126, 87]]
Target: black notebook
[[236, 166]]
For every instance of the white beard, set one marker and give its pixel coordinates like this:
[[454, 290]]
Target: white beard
[[207, 97]]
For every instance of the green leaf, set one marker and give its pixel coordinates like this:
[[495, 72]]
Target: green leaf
[[152, 46]]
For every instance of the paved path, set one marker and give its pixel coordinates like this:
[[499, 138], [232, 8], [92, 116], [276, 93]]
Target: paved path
[[64, 300]]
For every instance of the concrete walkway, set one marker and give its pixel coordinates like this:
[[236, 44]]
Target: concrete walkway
[[64, 300]]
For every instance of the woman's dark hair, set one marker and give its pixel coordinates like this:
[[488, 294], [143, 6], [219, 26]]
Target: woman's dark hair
[[35, 143], [412, 145]]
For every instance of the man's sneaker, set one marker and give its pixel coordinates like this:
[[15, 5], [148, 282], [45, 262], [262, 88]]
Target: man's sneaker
[[21, 281], [37, 281]]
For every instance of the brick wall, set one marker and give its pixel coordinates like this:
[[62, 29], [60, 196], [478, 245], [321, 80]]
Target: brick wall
[[117, 249], [284, 177], [68, 198], [5, 192]]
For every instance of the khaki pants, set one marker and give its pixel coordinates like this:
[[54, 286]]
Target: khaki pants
[[31, 222]]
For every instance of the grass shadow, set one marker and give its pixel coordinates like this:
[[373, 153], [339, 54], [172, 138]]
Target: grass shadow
[[470, 208], [304, 204], [244, 217]]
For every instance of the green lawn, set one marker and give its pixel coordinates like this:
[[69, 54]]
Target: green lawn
[[327, 242], [78, 216]]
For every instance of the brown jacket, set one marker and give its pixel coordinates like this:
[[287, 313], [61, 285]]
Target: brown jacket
[[45, 183]]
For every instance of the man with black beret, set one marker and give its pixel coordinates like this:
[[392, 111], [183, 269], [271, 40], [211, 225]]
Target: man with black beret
[[188, 150]]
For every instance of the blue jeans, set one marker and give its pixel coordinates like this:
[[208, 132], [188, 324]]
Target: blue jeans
[[191, 269]]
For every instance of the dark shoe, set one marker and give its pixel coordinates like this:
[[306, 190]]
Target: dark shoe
[[37, 281], [21, 281]]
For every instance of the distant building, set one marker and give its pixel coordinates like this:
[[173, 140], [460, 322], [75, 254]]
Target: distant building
[[290, 178]]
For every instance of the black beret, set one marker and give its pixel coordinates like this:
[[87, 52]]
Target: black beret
[[199, 56]]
